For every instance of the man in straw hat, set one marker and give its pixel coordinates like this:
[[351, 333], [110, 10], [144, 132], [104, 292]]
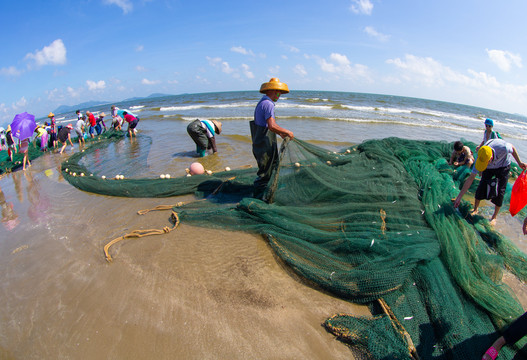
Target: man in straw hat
[[203, 133], [53, 130], [263, 132], [493, 162]]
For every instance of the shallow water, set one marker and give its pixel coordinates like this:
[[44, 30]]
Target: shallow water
[[194, 293]]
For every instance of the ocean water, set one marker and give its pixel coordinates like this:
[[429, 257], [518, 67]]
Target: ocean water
[[330, 119], [193, 293], [332, 116]]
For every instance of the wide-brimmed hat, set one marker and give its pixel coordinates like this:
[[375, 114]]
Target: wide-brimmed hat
[[51, 115], [489, 122], [484, 156], [218, 125], [102, 114], [274, 84]]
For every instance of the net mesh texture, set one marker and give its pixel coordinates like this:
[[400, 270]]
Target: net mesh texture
[[372, 224]]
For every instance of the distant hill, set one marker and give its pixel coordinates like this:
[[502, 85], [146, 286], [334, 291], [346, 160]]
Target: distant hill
[[71, 108], [145, 97], [65, 108]]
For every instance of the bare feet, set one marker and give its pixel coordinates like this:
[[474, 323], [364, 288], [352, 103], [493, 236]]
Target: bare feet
[[474, 212], [492, 222]]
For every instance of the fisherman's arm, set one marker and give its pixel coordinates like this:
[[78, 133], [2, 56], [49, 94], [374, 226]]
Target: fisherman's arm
[[213, 143], [277, 129], [465, 188]]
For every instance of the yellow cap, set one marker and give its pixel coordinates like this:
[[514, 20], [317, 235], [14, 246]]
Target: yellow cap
[[274, 84], [51, 115], [484, 156]]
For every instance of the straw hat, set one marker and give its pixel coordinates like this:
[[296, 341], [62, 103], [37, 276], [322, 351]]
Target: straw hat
[[274, 84], [218, 125], [51, 115], [102, 114]]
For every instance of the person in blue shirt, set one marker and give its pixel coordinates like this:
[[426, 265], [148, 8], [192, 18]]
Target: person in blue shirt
[[263, 133]]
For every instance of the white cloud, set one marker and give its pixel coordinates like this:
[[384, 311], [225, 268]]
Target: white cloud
[[202, 80], [422, 70], [247, 72], [54, 54], [150, 82], [415, 70], [10, 71], [7, 112], [93, 86], [340, 65], [375, 34], [125, 5], [72, 92], [21, 102], [140, 68], [294, 49], [55, 95], [139, 48], [226, 68], [300, 70], [213, 61], [274, 70], [242, 50], [361, 7], [504, 59]]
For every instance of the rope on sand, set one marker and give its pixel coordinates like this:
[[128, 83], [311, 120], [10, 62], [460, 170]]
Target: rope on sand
[[142, 233]]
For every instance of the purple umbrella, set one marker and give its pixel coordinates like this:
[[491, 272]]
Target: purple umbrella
[[23, 126]]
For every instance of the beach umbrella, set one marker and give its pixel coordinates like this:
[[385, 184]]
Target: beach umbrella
[[23, 126]]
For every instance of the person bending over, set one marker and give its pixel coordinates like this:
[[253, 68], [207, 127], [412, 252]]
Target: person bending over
[[461, 155], [494, 163], [203, 133]]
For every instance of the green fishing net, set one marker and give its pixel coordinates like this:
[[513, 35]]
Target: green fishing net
[[373, 224], [6, 165]]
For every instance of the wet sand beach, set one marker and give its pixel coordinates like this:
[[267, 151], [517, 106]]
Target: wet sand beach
[[194, 293]]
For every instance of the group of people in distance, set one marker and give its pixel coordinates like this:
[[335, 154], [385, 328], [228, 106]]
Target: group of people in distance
[[50, 134]]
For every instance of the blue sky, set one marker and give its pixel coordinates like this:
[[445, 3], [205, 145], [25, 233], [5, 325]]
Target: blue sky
[[71, 51]]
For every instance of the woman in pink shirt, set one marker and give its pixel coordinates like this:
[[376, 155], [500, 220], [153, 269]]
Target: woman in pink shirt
[[132, 123]]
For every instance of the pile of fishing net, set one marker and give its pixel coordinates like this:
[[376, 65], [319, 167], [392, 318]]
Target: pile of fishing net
[[373, 224]]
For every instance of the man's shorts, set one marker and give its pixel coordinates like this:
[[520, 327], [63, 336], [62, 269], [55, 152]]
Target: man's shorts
[[502, 177]]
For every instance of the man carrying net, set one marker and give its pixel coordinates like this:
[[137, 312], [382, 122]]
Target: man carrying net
[[263, 132]]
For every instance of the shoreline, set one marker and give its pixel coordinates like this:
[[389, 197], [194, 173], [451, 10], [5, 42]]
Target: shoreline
[[195, 292]]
